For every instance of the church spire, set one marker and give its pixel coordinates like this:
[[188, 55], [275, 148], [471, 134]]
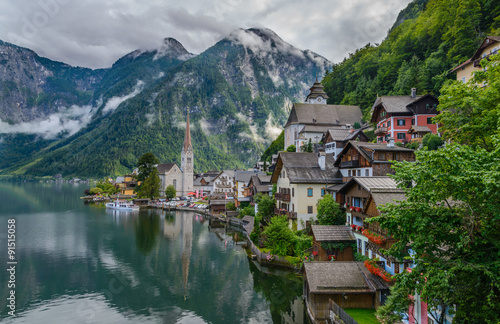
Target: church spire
[[187, 136]]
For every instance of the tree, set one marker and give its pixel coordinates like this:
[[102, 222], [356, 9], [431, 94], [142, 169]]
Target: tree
[[279, 237], [170, 192], [266, 207], [329, 212], [309, 147], [451, 222], [469, 112], [146, 163], [356, 125], [151, 186], [432, 141], [230, 206], [291, 148], [95, 191]]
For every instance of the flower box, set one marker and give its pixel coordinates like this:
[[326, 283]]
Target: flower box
[[375, 238], [376, 270]]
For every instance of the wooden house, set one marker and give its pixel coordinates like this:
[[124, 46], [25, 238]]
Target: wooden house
[[335, 139], [394, 115], [349, 284], [336, 241]]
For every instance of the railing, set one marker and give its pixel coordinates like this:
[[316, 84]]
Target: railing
[[340, 313], [349, 164], [290, 215], [417, 139], [282, 196], [381, 130]]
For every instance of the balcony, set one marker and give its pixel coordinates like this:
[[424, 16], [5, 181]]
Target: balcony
[[282, 196], [349, 164], [417, 139], [281, 212], [381, 130]]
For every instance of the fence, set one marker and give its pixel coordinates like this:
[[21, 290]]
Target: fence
[[337, 311], [262, 257]]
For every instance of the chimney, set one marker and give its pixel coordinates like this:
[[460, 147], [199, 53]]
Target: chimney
[[413, 93], [390, 142], [322, 160]]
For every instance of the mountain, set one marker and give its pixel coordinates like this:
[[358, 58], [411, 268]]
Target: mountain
[[239, 92], [428, 39]]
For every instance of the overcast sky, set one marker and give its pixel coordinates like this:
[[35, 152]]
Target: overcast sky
[[95, 33]]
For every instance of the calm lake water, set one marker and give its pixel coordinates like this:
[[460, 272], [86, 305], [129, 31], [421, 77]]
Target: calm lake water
[[81, 263]]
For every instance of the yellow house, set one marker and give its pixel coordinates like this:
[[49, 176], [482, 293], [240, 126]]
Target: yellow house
[[301, 180], [489, 46]]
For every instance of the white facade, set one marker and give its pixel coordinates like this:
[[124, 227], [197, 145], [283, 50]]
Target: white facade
[[224, 182]]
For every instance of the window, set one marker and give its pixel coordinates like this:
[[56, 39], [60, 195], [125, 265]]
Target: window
[[293, 192], [429, 120], [175, 184], [359, 173], [309, 192], [413, 121], [367, 173], [388, 262], [283, 174], [188, 160], [356, 202], [322, 192], [401, 122], [401, 135], [463, 79], [309, 209], [388, 123], [427, 106], [395, 156], [348, 173], [381, 156]]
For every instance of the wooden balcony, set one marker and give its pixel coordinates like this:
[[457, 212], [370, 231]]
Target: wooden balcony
[[281, 212], [349, 164], [381, 130], [282, 196], [418, 139]]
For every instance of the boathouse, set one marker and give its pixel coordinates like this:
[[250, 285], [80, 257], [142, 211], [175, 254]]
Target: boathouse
[[333, 241]]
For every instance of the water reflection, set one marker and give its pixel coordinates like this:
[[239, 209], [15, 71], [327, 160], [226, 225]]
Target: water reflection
[[84, 264]]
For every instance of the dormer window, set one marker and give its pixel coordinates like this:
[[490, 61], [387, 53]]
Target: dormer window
[[314, 120]]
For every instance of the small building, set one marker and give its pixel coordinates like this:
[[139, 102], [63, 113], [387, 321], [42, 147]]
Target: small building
[[241, 179], [489, 46], [333, 240], [218, 206], [335, 139], [394, 115], [224, 182], [349, 284], [417, 133], [170, 174]]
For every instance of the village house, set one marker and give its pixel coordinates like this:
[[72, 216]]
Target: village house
[[258, 184], [335, 139], [310, 120], [241, 179], [363, 196], [489, 46], [370, 159], [170, 174], [348, 284], [394, 115], [203, 183], [333, 242], [301, 180], [224, 182], [126, 184]]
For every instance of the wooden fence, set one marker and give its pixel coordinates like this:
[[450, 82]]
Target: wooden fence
[[337, 312]]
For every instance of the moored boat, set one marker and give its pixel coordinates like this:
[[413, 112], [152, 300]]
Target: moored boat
[[122, 205]]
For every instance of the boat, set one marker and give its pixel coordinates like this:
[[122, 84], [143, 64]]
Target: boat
[[122, 205]]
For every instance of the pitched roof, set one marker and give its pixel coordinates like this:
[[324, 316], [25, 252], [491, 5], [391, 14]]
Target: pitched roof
[[395, 104], [317, 90], [229, 173], [314, 129], [317, 114], [372, 183], [365, 149], [336, 233], [419, 129], [250, 223], [303, 167], [385, 196], [164, 167], [340, 277], [244, 176], [261, 182]]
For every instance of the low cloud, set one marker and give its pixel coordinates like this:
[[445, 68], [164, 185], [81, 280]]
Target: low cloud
[[114, 102], [272, 131], [67, 122]]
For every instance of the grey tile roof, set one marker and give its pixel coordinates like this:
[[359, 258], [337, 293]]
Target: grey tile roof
[[164, 167], [385, 196], [317, 114], [340, 277], [372, 183], [395, 104], [304, 168], [314, 129], [244, 176], [261, 182], [419, 129], [335, 233]]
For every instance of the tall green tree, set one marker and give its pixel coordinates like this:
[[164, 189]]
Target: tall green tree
[[266, 207], [146, 164], [451, 223], [170, 192], [470, 112], [279, 237], [151, 186], [329, 212]]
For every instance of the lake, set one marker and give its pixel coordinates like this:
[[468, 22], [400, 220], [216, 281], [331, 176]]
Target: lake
[[81, 263]]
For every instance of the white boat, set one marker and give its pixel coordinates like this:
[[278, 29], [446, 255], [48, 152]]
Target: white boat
[[122, 205]]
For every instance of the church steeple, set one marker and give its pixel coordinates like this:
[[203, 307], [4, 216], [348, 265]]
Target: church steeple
[[317, 95], [187, 136]]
